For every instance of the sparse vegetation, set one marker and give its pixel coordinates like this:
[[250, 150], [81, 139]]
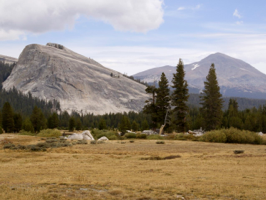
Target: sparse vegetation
[[111, 135], [50, 133], [232, 135]]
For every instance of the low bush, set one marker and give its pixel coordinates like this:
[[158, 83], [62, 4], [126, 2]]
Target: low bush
[[182, 136], [50, 133], [111, 135], [155, 137], [130, 135], [232, 135], [1, 130], [160, 142], [141, 136]]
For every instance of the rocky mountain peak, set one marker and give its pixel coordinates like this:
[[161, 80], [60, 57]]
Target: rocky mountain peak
[[79, 83]]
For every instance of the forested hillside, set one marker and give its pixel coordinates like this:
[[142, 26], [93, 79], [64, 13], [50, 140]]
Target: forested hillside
[[5, 70]]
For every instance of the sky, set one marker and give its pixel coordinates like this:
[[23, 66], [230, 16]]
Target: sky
[[131, 36]]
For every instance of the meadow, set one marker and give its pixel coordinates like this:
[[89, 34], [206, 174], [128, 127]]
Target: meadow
[[132, 169]]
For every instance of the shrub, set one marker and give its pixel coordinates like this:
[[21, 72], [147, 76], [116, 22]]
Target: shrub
[[141, 136], [111, 135], [130, 135], [131, 141], [182, 136], [1, 130], [155, 137], [232, 135], [50, 133], [9, 146], [160, 142], [93, 142]]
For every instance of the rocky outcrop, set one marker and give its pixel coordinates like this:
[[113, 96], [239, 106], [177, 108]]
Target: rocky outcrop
[[79, 83], [7, 59]]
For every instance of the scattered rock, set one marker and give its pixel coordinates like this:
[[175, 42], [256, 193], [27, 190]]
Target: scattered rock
[[103, 139], [238, 151]]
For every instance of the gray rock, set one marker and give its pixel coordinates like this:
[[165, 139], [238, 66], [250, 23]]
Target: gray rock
[[79, 83]]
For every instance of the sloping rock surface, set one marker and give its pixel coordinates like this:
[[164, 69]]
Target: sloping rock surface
[[79, 83]]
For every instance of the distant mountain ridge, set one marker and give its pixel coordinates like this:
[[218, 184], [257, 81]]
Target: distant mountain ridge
[[236, 77], [8, 60]]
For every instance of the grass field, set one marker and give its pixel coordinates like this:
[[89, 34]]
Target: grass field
[[124, 170]]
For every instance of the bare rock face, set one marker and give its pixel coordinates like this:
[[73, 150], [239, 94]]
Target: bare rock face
[[79, 83], [7, 59]]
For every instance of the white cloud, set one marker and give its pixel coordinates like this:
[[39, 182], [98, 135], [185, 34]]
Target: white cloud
[[237, 14], [239, 22], [197, 7], [181, 8], [47, 15]]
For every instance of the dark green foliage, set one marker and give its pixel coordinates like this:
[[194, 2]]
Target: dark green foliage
[[17, 122], [5, 71], [1, 130], [37, 119], [53, 121], [102, 124], [163, 99], [71, 125], [130, 135], [232, 135], [124, 125], [211, 101], [179, 99], [135, 126], [78, 124], [141, 136], [27, 125], [150, 107], [8, 120], [144, 125]]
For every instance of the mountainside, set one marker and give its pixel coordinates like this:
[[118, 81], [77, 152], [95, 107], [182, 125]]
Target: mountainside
[[7, 59], [235, 77], [77, 82]]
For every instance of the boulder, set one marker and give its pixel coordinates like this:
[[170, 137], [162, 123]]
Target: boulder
[[86, 135], [103, 139]]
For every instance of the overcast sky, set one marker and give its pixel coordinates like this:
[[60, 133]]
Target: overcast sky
[[131, 36]]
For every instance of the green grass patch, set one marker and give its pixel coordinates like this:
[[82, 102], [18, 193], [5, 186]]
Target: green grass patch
[[232, 135], [111, 135], [50, 133]]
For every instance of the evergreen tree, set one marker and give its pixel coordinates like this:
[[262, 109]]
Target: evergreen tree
[[211, 101], [27, 125], [150, 107], [124, 124], [37, 119], [135, 126], [53, 121], [179, 99], [78, 124], [71, 124], [163, 99], [17, 122], [144, 125], [8, 120], [102, 124]]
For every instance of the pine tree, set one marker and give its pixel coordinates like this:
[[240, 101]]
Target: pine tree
[[135, 126], [102, 124], [144, 125], [124, 124], [150, 107], [27, 125], [37, 119], [53, 121], [163, 99], [8, 120], [17, 122], [179, 99], [78, 124], [71, 124], [211, 101]]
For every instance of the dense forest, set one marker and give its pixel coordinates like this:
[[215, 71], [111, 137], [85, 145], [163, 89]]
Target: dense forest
[[23, 111]]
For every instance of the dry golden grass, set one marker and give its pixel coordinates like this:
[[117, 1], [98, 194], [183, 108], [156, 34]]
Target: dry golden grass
[[114, 170]]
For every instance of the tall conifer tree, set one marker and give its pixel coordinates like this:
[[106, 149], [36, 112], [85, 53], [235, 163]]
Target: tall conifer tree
[[211, 101], [163, 99], [7, 118], [179, 99], [150, 107]]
